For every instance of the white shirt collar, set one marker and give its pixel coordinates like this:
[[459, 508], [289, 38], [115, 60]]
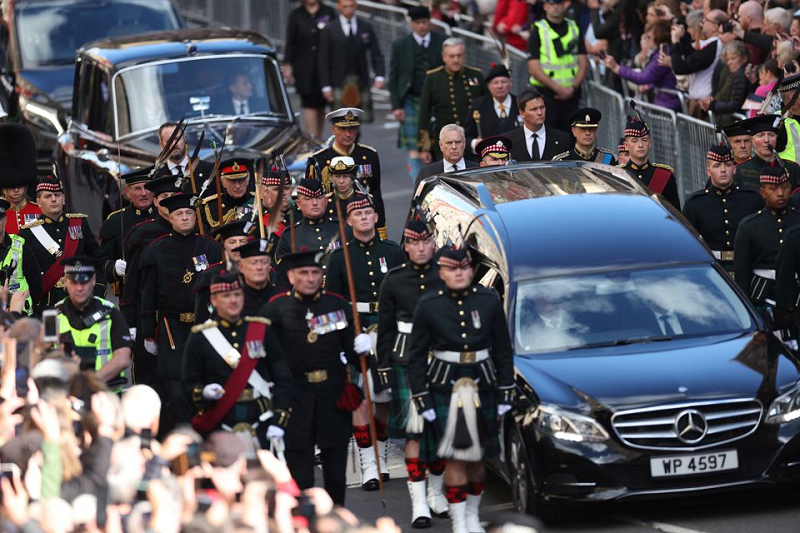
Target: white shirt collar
[[541, 132], [348, 24], [422, 41], [506, 103], [183, 163], [460, 165]]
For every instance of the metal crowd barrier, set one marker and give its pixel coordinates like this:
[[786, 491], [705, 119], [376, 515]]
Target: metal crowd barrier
[[611, 105], [266, 17], [693, 138], [662, 124]]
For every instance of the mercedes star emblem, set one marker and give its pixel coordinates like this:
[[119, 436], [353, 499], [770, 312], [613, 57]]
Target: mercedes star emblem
[[691, 426]]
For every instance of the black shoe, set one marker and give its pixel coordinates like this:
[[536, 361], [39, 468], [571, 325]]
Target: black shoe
[[440, 515], [371, 485], [423, 522], [385, 476]]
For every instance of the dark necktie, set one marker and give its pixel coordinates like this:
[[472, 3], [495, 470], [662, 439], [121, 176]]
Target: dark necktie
[[535, 148], [241, 108], [667, 326], [454, 169]]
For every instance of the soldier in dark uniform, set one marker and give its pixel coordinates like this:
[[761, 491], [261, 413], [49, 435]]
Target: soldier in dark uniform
[[715, 212], [584, 123], [314, 328], [741, 143], [271, 183], [402, 287], [760, 236], [447, 96], [170, 268], [230, 236], [237, 200], [316, 231], [344, 126], [342, 172], [370, 259], [226, 396], [465, 327], [56, 236], [119, 223], [255, 267], [764, 134], [494, 151], [787, 272], [658, 178]]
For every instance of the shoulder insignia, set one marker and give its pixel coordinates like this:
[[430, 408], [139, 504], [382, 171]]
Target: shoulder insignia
[[474, 69], [662, 165], [279, 295], [208, 324], [434, 70], [319, 151], [368, 147], [76, 215], [258, 320], [209, 198], [114, 213], [32, 224], [561, 156], [604, 151]]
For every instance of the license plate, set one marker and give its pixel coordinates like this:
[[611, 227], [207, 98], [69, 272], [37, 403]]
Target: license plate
[[699, 463]]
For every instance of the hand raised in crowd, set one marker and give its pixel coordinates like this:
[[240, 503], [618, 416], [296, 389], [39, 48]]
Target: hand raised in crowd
[[611, 64], [15, 499], [45, 417], [105, 413], [676, 33], [664, 60], [17, 301]]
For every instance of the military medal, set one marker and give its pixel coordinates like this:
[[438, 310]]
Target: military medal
[[382, 262], [28, 218], [364, 171], [200, 263], [75, 232], [255, 349], [476, 319], [187, 277], [312, 337]]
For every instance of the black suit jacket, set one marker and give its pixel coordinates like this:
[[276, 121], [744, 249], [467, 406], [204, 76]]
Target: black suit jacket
[[333, 49], [491, 124], [224, 105], [556, 141], [401, 64], [437, 167]]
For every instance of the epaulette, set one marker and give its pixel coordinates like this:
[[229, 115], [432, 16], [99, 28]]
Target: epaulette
[[437, 69], [76, 215], [204, 326], [258, 320], [368, 147], [603, 150], [207, 199], [662, 165], [279, 295], [320, 151], [476, 69], [558, 157], [111, 214], [32, 224]]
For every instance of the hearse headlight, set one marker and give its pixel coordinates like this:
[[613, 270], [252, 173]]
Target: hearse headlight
[[785, 407], [568, 426]]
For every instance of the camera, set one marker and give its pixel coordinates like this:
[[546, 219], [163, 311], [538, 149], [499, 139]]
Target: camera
[[727, 27]]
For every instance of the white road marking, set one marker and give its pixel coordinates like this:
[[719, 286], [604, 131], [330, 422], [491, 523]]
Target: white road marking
[[658, 526]]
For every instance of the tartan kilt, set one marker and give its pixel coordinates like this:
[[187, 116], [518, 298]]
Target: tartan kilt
[[407, 133], [401, 404], [488, 423]]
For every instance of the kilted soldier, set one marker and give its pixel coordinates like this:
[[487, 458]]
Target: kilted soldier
[[402, 287], [370, 260], [228, 365], [56, 236], [715, 212], [255, 267], [119, 223], [271, 184], [658, 178], [760, 236], [459, 392], [237, 200], [171, 266], [18, 173], [230, 235], [315, 332], [494, 151], [584, 123]]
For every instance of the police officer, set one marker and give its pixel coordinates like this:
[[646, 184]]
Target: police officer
[[94, 327], [789, 132], [494, 151], [237, 200], [584, 123], [659, 178], [760, 236], [18, 173], [56, 236], [465, 328], [120, 222], [17, 266], [315, 331], [316, 231], [401, 289], [715, 212], [170, 268], [345, 123], [257, 275], [447, 96], [230, 236], [764, 134], [228, 365], [370, 260]]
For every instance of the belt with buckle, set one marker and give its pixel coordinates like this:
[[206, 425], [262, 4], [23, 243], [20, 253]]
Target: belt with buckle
[[404, 327], [722, 256], [367, 307], [317, 376], [186, 318], [462, 357]]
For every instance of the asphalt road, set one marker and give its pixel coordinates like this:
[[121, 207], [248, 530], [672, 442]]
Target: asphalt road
[[772, 511]]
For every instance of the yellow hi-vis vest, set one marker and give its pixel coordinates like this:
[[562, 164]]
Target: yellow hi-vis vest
[[16, 280], [792, 140], [92, 344], [561, 69]]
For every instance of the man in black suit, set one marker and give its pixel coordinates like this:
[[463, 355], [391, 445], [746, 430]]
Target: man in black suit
[[493, 113], [452, 143], [342, 62], [412, 56], [240, 99], [533, 141], [178, 161]]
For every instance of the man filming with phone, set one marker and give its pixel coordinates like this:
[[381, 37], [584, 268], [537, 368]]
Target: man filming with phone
[[100, 335]]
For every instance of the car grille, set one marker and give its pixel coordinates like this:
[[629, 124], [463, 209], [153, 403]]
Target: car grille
[[690, 426]]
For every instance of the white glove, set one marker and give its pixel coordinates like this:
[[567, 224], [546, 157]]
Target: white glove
[[429, 415], [213, 391], [119, 267], [133, 333], [274, 432], [363, 343], [151, 346], [343, 358], [502, 409]]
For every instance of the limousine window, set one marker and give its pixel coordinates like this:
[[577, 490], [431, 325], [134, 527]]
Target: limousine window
[[644, 305]]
